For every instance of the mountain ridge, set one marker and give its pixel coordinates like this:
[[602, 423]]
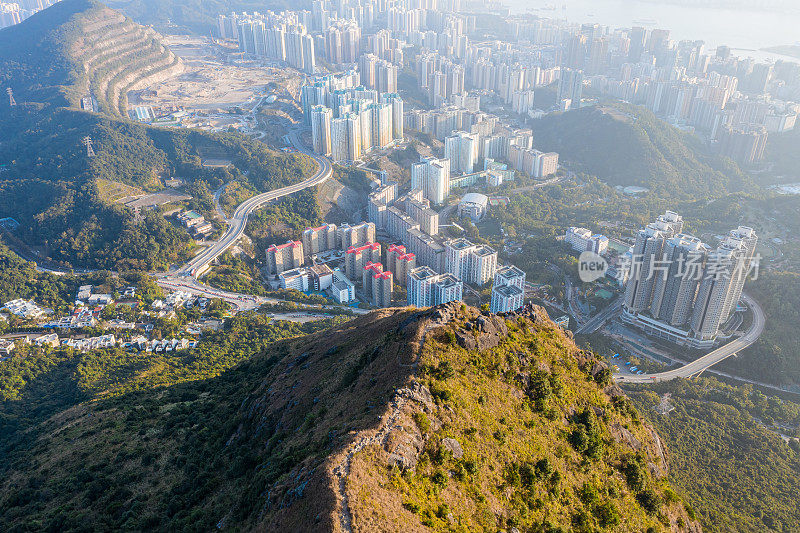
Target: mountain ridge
[[428, 420], [625, 145]]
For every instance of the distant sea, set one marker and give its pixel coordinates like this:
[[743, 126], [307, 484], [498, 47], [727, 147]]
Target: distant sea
[[747, 31]]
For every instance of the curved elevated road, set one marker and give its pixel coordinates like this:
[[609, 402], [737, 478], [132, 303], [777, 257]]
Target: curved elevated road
[[238, 221], [710, 359]]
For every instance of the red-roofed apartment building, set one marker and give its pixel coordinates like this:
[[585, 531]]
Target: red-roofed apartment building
[[282, 257]]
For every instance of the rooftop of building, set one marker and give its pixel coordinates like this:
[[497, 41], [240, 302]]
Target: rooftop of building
[[510, 272], [368, 246], [423, 273], [484, 251], [475, 198], [448, 280], [378, 267], [341, 285], [508, 291], [318, 228], [459, 244], [288, 244], [321, 270]]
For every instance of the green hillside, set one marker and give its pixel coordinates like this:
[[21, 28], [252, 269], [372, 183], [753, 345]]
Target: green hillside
[[35, 60], [433, 420], [49, 185], [79, 48], [627, 145], [727, 455]]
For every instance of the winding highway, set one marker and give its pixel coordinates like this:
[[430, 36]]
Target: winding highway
[[599, 320], [705, 362], [238, 222]]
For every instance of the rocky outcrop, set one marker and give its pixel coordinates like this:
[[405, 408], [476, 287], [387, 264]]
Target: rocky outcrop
[[483, 333], [405, 442], [453, 446]]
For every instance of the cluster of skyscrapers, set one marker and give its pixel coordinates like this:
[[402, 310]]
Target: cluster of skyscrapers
[[276, 36], [722, 96], [681, 289], [362, 262], [347, 121], [471, 136], [12, 13]]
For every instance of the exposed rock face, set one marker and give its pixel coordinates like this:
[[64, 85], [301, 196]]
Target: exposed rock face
[[453, 447], [484, 333], [622, 435], [405, 442], [404, 456]]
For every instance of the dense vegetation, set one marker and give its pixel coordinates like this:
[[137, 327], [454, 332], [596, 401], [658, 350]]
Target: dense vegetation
[[35, 57], [235, 274], [736, 473], [775, 358], [627, 145], [49, 185], [285, 219], [249, 446], [46, 381], [19, 279]]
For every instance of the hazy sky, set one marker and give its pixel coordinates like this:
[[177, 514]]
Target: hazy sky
[[752, 28]]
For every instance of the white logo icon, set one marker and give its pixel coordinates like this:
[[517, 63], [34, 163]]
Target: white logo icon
[[591, 267]]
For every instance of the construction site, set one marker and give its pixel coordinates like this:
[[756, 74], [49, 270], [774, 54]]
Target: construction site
[[217, 90]]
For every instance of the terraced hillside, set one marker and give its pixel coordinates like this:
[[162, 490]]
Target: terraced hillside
[[104, 54], [53, 61], [118, 56]]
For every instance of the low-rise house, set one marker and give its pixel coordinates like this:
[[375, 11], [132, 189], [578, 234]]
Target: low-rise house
[[100, 299], [49, 339], [140, 343], [24, 308], [91, 343], [84, 292], [6, 347], [178, 298], [118, 323], [82, 318]]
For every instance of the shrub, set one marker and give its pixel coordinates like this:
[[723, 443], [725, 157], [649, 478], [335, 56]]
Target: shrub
[[439, 479], [422, 422], [607, 514], [649, 500]]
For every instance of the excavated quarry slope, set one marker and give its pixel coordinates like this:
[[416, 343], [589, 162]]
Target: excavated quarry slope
[[78, 48], [118, 56]]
